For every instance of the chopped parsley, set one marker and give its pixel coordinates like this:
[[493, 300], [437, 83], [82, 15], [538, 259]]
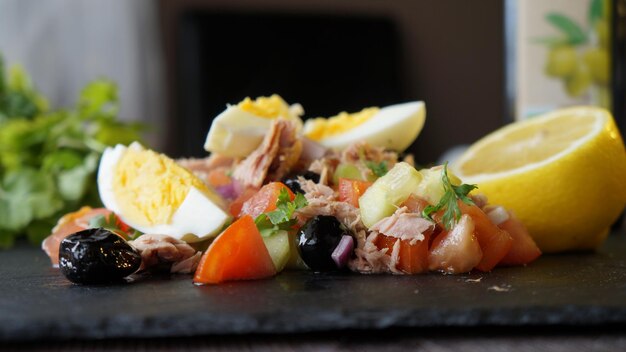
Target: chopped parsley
[[448, 202], [378, 169], [281, 218]]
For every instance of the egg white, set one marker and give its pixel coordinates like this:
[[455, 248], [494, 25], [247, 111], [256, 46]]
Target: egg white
[[197, 218], [394, 127], [236, 132]]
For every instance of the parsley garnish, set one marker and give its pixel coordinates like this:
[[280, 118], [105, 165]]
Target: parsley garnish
[[49, 157], [448, 201], [379, 169], [280, 219]]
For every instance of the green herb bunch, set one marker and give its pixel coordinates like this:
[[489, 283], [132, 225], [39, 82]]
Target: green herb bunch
[[48, 158]]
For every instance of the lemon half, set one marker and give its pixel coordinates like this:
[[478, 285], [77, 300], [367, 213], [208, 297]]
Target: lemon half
[[562, 173]]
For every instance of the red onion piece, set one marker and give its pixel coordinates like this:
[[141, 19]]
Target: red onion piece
[[311, 150], [343, 251], [498, 215], [231, 191], [228, 191]]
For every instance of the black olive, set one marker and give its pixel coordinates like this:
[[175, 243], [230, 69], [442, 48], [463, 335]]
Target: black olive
[[294, 185], [97, 256], [317, 240]]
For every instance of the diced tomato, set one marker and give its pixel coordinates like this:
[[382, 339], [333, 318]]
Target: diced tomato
[[413, 258], [415, 204], [494, 242], [218, 177], [524, 249], [264, 200], [239, 253], [351, 190], [237, 204], [67, 225], [124, 227], [456, 251]]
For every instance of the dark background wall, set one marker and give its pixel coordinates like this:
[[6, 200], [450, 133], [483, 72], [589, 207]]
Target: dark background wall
[[334, 56]]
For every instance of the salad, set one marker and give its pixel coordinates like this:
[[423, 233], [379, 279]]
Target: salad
[[277, 193]]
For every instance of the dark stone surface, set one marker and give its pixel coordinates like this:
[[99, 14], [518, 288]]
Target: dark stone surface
[[585, 289]]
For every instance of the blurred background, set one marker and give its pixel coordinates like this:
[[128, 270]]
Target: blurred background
[[477, 65]]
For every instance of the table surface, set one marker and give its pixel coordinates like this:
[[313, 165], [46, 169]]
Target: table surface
[[578, 300]]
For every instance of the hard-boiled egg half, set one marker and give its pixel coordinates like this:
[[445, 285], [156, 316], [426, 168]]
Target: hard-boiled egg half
[[153, 194], [238, 130], [393, 127]]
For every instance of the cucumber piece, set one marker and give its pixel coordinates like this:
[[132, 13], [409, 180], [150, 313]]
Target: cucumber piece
[[349, 171], [374, 205], [279, 249], [431, 188], [383, 197], [295, 260]]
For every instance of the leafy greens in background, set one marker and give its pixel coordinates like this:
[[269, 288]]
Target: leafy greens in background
[[48, 158], [572, 33]]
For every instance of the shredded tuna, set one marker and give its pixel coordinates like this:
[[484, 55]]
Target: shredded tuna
[[159, 249], [325, 166], [274, 158], [369, 259], [394, 258], [318, 166], [409, 159], [403, 225], [362, 150], [357, 154], [289, 151], [314, 190], [207, 164], [187, 266], [322, 201], [202, 167]]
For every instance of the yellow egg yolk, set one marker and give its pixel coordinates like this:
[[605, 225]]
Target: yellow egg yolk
[[320, 128], [267, 107], [149, 187]]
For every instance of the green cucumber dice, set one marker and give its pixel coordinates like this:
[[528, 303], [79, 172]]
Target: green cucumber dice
[[383, 197], [295, 260], [279, 248], [431, 188], [349, 171]]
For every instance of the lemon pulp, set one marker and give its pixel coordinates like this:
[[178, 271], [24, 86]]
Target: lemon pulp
[[529, 143], [149, 187], [561, 173]]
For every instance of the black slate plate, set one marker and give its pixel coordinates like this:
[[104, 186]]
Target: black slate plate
[[36, 302]]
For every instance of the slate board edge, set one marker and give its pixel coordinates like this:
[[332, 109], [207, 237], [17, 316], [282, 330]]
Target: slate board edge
[[122, 326]]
